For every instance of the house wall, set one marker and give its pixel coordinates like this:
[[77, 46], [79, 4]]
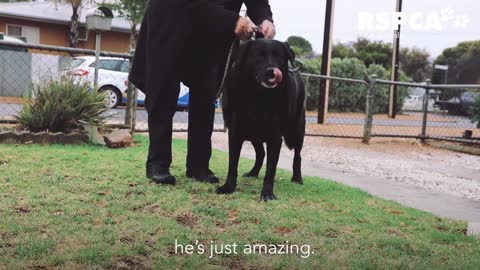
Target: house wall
[[57, 35], [111, 41]]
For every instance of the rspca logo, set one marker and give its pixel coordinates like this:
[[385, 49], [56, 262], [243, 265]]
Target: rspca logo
[[435, 21]]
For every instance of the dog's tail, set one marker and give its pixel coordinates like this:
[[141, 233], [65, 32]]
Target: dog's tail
[[294, 130]]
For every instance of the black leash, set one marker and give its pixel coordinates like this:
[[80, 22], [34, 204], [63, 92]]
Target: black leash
[[235, 43]]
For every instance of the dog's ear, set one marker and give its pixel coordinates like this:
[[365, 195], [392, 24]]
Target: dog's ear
[[289, 52]]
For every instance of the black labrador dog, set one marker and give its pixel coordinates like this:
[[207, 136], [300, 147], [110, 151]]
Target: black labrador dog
[[263, 102]]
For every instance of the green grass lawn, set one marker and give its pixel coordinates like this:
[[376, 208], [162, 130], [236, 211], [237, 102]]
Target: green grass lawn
[[73, 207]]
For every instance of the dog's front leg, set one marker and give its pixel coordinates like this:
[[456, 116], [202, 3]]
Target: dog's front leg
[[273, 153], [259, 157], [234, 148]]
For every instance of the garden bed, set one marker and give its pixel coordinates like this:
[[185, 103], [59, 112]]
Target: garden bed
[[25, 137]]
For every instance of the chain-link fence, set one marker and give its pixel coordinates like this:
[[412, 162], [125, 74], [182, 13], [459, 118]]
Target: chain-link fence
[[359, 109], [431, 112], [346, 110], [22, 66]]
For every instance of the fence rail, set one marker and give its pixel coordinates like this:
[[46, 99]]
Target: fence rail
[[23, 65], [423, 122]]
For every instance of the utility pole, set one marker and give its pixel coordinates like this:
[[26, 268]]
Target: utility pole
[[326, 57], [393, 97]]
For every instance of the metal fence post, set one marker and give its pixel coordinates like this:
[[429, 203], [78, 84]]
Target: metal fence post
[[425, 110], [98, 45], [367, 129]]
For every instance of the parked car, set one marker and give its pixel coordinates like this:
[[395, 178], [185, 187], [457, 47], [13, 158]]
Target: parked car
[[113, 79], [11, 39], [458, 105]]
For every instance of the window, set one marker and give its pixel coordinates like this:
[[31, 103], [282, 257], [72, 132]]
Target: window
[[14, 30], [31, 34], [76, 62], [125, 66], [113, 65], [82, 34]]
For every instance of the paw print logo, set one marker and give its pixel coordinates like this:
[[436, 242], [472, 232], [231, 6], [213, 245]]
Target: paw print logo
[[447, 14], [461, 21]]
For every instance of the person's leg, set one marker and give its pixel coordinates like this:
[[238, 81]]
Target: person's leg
[[160, 116], [200, 125]]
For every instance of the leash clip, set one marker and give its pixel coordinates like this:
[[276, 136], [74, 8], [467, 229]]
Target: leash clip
[[256, 29]]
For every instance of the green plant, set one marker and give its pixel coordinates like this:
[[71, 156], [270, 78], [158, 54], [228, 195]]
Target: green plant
[[300, 45], [347, 96], [475, 112], [60, 105]]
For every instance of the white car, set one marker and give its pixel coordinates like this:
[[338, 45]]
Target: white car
[[113, 79]]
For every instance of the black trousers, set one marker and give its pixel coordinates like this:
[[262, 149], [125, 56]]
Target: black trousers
[[202, 84]]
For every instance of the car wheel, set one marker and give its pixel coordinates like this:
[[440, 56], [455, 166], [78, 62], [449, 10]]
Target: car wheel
[[112, 96]]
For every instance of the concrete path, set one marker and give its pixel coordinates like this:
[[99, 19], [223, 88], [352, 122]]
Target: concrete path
[[438, 203]]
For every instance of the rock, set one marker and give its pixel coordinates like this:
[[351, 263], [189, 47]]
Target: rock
[[473, 229], [94, 136], [119, 138]]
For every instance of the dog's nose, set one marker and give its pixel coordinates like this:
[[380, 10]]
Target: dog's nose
[[270, 73]]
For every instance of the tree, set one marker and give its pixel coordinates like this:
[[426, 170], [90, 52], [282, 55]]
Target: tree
[[416, 64], [300, 46], [133, 11], [475, 112], [74, 22], [340, 50], [373, 52], [463, 62]]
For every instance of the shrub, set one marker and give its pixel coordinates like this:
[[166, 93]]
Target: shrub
[[347, 96], [61, 105], [351, 97], [475, 112], [312, 85]]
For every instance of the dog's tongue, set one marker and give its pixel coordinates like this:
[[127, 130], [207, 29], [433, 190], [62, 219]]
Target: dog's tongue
[[278, 76]]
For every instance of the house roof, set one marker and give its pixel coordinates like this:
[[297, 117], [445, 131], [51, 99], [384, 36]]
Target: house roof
[[49, 11]]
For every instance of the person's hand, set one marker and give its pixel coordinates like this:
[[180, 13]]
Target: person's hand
[[268, 29], [245, 28]]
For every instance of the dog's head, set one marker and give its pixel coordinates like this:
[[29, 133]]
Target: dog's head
[[265, 61]]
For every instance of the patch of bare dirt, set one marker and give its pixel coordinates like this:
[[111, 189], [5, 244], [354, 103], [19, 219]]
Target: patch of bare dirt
[[23, 210], [130, 263], [187, 220]]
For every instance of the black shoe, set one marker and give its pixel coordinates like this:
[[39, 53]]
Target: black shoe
[[206, 176], [160, 175]]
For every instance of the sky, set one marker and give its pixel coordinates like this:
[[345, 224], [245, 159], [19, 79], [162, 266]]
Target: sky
[[430, 24]]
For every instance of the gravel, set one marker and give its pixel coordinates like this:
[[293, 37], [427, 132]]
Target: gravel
[[404, 161]]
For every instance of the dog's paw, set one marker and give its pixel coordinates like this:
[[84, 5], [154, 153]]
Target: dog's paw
[[225, 189], [251, 175], [267, 197], [297, 180]]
